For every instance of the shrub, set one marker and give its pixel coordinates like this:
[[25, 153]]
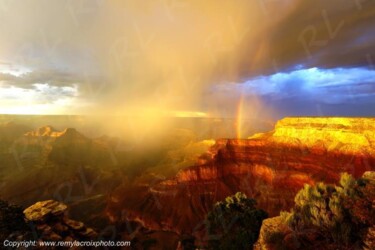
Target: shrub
[[275, 238], [234, 223], [338, 214]]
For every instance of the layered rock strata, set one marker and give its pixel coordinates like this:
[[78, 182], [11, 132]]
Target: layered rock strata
[[270, 167]]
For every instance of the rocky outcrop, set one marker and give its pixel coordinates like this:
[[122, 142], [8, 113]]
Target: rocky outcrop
[[269, 167], [50, 220], [45, 220], [45, 131]]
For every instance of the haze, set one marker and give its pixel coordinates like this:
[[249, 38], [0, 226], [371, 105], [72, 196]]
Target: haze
[[262, 58]]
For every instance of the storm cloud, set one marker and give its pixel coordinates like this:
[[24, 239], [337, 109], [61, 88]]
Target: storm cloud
[[130, 56]]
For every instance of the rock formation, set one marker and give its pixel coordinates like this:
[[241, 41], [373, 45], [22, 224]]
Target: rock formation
[[73, 148], [270, 167], [45, 220], [50, 220], [46, 145], [45, 131], [45, 160]]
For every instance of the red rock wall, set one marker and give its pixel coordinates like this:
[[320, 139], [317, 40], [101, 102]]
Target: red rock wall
[[269, 168]]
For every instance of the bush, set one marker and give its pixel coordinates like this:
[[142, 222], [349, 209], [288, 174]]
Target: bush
[[235, 223], [275, 238], [337, 214]]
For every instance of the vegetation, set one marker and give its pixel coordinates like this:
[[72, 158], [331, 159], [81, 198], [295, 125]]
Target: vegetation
[[235, 223], [329, 215]]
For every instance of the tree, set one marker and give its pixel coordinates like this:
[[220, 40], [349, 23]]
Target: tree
[[234, 223]]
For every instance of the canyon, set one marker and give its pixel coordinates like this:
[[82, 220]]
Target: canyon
[[269, 167], [152, 194]]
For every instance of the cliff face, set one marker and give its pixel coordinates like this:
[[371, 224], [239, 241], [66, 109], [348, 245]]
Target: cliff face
[[270, 167], [339, 135]]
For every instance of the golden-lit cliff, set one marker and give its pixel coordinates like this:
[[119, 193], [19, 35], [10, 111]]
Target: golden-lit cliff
[[45, 131], [340, 135], [271, 167]]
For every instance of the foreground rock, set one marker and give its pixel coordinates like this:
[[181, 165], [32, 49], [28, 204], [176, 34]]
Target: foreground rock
[[50, 219], [269, 167]]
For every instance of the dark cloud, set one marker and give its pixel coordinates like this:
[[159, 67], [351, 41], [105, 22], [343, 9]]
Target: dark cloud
[[339, 85], [325, 34], [28, 80], [165, 54], [304, 92], [57, 80]]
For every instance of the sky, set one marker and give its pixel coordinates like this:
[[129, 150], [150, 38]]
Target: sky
[[215, 58]]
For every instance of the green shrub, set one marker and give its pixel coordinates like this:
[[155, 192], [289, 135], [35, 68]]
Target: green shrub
[[338, 214], [234, 223]]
